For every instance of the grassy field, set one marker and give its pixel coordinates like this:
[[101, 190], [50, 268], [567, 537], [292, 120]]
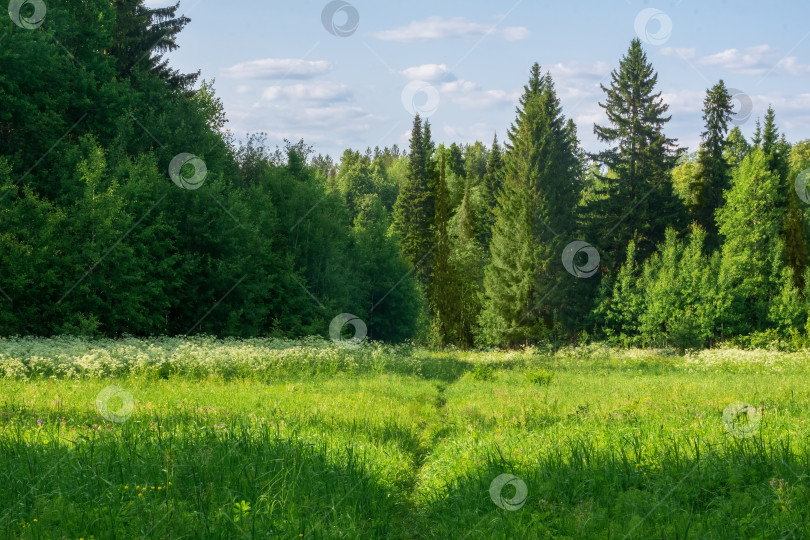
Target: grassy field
[[200, 438]]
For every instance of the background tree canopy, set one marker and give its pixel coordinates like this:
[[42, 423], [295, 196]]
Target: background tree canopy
[[448, 244]]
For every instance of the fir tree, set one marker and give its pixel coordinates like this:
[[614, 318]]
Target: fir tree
[[794, 234], [143, 35], [637, 201], [442, 288], [533, 217], [492, 187], [713, 171], [467, 261], [414, 209]]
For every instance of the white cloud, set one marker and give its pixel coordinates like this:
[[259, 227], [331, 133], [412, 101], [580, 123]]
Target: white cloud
[[428, 73], [759, 60], [684, 101], [469, 95], [272, 68], [579, 70], [434, 28], [325, 92], [753, 61], [796, 103], [578, 80], [791, 65], [685, 53], [464, 93]]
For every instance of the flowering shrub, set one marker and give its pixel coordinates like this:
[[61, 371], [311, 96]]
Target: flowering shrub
[[269, 358]]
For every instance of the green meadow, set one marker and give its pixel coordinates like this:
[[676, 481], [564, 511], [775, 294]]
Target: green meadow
[[203, 438]]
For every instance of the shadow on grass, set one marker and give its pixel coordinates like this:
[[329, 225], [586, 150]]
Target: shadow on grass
[[742, 489], [126, 485]]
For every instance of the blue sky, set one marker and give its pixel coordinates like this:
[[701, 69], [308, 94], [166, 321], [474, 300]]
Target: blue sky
[[278, 68]]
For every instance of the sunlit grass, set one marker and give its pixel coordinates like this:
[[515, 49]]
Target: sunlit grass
[[398, 442]]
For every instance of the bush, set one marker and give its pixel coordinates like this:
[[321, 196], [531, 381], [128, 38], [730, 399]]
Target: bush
[[540, 376], [483, 372]]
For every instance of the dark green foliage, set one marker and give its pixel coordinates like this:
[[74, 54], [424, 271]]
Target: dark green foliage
[[142, 35], [460, 241], [492, 188], [443, 286], [637, 202], [96, 239], [713, 171], [533, 219], [414, 209], [389, 293]]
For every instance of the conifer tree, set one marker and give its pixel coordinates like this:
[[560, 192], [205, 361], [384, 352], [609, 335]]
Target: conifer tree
[[414, 209], [637, 201], [492, 186], [143, 35], [442, 291], [713, 171], [467, 260], [534, 217], [794, 234]]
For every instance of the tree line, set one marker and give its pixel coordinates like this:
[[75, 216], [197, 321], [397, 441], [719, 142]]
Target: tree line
[[445, 244]]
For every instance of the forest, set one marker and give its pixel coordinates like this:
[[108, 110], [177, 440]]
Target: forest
[[127, 208]]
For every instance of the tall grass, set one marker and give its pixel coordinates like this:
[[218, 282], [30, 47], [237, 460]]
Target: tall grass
[[266, 438]]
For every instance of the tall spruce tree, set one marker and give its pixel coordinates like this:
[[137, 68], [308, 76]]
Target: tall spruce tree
[[467, 260], [143, 35], [794, 234], [442, 290], [713, 169], [492, 186], [637, 200], [414, 209], [533, 219]]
